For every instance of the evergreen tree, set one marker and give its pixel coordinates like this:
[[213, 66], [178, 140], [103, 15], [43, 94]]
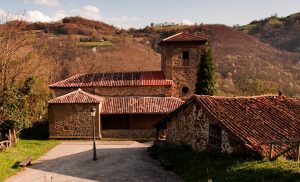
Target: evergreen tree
[[206, 74]]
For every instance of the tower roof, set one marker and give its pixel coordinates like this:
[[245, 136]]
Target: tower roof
[[185, 37]]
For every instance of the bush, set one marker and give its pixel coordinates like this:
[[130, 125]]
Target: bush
[[38, 131], [202, 166]]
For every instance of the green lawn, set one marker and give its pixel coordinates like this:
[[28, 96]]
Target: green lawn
[[201, 166], [9, 158]]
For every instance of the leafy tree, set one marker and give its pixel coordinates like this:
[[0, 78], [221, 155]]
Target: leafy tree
[[206, 82], [24, 75], [25, 104]]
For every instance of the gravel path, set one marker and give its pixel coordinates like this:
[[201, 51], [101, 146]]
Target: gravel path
[[117, 161]]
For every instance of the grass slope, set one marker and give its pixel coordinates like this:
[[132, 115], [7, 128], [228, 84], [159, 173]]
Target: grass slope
[[280, 32], [201, 166], [10, 158]]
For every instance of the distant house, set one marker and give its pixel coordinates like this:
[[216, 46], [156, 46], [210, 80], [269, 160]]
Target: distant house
[[127, 103], [257, 124]]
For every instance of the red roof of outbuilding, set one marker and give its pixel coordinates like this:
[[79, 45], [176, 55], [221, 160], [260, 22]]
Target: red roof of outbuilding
[[150, 78], [185, 37], [77, 97], [258, 119]]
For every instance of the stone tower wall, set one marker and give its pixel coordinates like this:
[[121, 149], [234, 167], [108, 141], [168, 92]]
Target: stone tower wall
[[172, 65]]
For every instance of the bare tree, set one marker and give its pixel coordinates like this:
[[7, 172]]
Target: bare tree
[[22, 67]]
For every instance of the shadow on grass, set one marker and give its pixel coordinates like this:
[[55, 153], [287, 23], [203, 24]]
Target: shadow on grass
[[39, 131], [201, 166], [16, 165]]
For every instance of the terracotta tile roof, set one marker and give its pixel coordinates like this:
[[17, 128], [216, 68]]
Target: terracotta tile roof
[[256, 120], [140, 105], [151, 78], [122, 105], [79, 96], [185, 37]]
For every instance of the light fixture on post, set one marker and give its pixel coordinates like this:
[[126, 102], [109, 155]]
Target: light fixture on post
[[93, 114]]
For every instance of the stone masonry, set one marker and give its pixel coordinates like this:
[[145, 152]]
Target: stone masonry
[[157, 91], [182, 75], [191, 126], [72, 121]]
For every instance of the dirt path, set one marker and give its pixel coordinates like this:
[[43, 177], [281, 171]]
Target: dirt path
[[117, 161]]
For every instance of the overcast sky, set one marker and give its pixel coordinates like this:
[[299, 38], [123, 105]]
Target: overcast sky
[[139, 13]]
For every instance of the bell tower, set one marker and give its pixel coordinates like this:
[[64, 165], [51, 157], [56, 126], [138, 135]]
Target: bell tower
[[180, 58]]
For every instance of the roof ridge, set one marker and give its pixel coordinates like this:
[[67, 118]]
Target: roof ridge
[[144, 97], [117, 72], [89, 94], [62, 96], [132, 78], [186, 34], [237, 97], [92, 96], [172, 36], [61, 81]]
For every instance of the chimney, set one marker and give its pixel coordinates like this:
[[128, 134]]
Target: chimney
[[280, 93]]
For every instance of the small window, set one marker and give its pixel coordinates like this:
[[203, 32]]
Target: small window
[[185, 90], [185, 58], [215, 135]]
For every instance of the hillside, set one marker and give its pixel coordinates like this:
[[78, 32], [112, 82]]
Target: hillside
[[80, 45], [280, 32], [245, 65]]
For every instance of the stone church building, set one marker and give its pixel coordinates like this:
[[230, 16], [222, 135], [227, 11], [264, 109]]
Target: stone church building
[[129, 103]]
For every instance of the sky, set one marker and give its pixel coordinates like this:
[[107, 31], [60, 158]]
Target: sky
[[140, 13]]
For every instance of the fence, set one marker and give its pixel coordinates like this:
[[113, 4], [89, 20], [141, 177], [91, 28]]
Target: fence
[[294, 145], [11, 140]]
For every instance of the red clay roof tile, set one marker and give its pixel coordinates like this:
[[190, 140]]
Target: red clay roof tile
[[151, 78], [122, 105], [79, 96], [256, 120], [140, 105]]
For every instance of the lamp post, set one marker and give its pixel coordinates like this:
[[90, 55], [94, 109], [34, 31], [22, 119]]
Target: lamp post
[[93, 114]]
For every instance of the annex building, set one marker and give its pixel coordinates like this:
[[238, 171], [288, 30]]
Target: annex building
[[267, 125], [129, 103]]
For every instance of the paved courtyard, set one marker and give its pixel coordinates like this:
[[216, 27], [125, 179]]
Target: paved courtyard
[[117, 161]]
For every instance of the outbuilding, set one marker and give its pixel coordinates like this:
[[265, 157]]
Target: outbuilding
[[261, 125]]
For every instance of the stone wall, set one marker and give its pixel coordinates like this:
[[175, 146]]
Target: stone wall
[[155, 91], [72, 120], [182, 76], [191, 126], [129, 133]]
